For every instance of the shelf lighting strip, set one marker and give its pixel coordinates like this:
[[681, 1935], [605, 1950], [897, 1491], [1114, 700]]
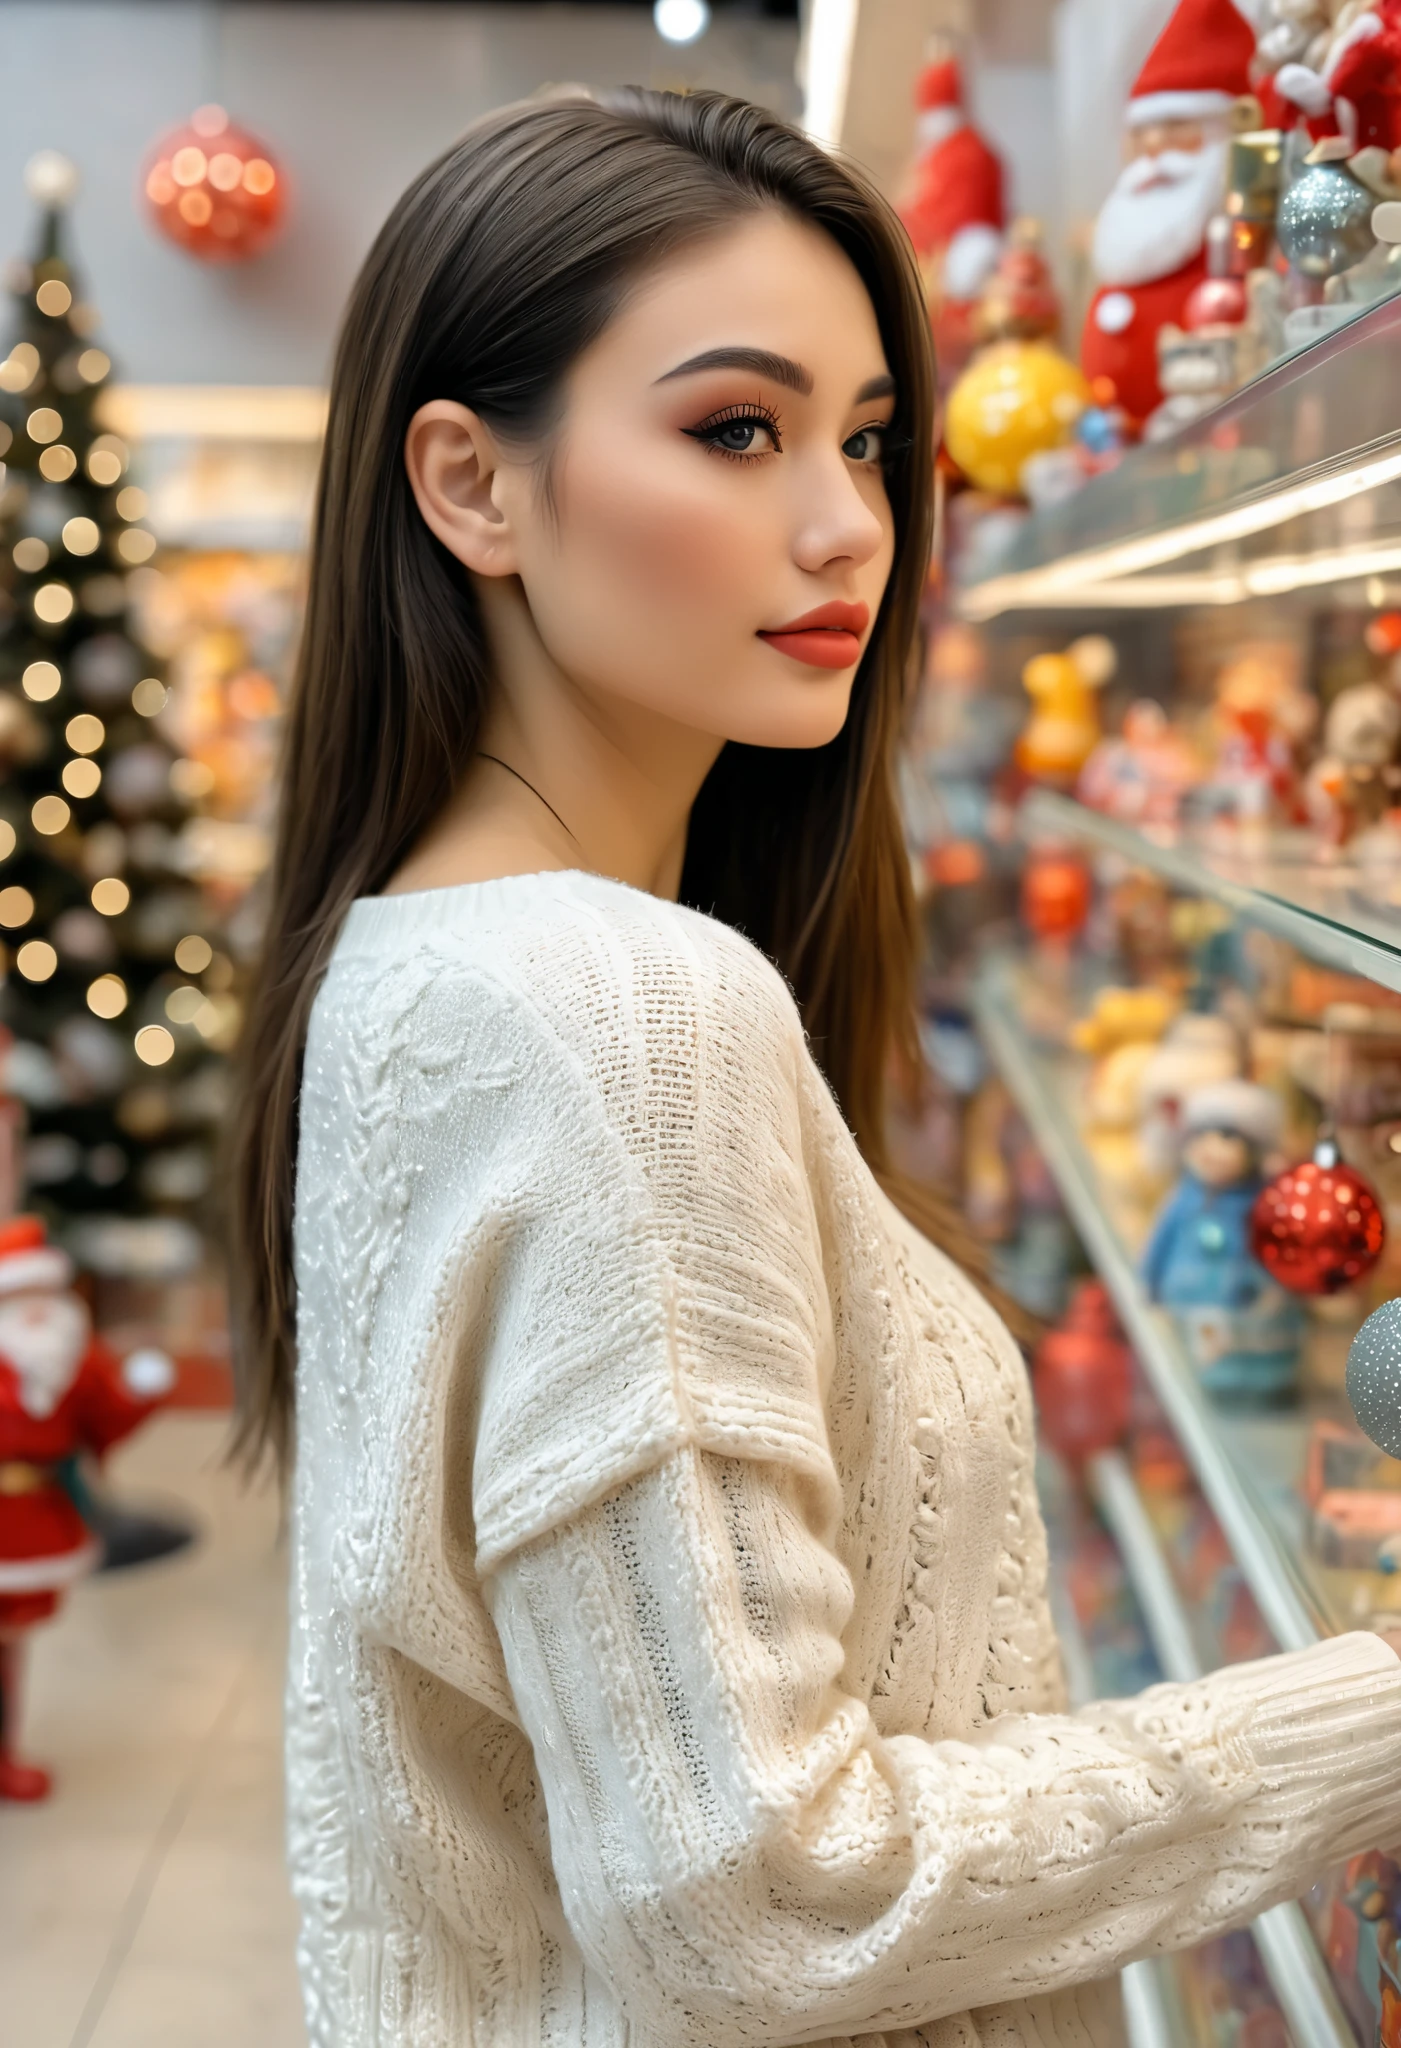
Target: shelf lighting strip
[[1275, 576], [1283, 1937], [1070, 580]]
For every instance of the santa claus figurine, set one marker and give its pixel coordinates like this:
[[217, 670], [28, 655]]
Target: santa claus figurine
[[953, 208], [1149, 248], [61, 1392]]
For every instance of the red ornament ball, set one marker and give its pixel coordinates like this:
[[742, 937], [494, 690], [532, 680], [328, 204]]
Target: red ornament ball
[[1216, 302], [1082, 1377], [1317, 1228], [214, 189]]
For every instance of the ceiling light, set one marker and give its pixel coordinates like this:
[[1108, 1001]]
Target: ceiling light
[[681, 21]]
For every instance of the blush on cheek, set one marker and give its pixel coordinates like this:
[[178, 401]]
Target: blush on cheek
[[668, 540]]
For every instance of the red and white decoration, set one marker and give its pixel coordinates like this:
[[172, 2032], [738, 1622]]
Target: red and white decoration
[[1356, 93], [955, 208], [215, 190], [1150, 237], [62, 1392]]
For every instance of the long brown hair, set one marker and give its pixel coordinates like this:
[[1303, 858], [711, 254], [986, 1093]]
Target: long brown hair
[[497, 268]]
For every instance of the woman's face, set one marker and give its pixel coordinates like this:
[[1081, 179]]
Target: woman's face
[[716, 479]]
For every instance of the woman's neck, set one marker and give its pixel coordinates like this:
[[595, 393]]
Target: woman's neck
[[562, 777]]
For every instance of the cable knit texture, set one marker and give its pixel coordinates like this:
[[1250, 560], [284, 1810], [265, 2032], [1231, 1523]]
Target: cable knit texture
[[671, 1666]]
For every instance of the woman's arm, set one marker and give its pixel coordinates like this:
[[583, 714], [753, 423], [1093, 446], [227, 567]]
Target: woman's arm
[[746, 1860]]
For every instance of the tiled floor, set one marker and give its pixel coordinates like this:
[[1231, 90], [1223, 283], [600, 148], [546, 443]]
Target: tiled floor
[[146, 1903]]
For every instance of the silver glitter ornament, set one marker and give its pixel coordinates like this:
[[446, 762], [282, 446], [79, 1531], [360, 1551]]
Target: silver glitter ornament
[[1374, 1377], [1324, 224]]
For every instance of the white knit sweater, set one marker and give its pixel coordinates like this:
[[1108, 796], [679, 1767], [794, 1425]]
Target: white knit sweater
[[671, 1666]]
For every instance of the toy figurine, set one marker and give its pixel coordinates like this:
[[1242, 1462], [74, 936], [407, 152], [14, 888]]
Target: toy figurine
[[1356, 779], [1262, 718], [1063, 730], [1198, 1049], [1143, 774], [953, 207], [1149, 239], [1082, 1377], [61, 1392], [1241, 1330]]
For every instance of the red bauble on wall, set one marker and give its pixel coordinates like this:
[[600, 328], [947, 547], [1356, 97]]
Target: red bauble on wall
[[1317, 1228], [214, 189], [1082, 1377]]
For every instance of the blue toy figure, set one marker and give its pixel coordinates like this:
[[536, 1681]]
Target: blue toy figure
[[1241, 1330]]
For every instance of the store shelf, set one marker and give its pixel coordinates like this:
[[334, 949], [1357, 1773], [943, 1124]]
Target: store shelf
[[1290, 483], [1292, 1963], [1319, 908], [1244, 1465], [1287, 1948]]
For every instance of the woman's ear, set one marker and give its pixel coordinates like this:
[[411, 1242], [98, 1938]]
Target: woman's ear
[[454, 466]]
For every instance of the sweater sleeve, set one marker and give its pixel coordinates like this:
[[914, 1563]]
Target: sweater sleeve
[[747, 1862]]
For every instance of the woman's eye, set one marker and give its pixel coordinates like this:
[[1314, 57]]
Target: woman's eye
[[740, 437], [867, 444], [742, 433]]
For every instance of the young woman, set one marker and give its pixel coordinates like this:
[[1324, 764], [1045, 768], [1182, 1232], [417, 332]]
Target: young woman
[[671, 1664]]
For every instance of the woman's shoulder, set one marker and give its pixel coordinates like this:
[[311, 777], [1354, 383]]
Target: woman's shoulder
[[607, 972]]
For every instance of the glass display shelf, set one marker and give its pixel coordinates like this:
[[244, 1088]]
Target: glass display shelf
[[1335, 912], [1248, 1464], [1288, 483], [1296, 1971]]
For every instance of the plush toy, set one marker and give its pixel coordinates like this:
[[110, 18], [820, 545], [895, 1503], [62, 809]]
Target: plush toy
[[1241, 1330], [62, 1392]]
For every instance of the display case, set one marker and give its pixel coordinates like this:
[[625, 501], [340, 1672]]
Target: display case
[[1267, 536]]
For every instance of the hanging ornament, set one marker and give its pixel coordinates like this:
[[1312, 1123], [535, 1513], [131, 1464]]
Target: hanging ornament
[[1318, 1227], [214, 189], [1082, 1377], [1324, 224], [1374, 1377]]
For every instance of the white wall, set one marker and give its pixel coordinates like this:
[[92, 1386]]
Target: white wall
[[353, 98]]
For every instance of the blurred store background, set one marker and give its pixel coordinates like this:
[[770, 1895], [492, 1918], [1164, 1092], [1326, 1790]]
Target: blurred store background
[[1152, 780]]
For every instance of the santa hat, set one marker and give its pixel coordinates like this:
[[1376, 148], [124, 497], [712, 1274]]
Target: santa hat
[[1243, 1107], [939, 85], [1198, 68], [28, 1260]]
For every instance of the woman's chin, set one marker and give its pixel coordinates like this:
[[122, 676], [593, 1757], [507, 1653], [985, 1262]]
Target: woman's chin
[[801, 715]]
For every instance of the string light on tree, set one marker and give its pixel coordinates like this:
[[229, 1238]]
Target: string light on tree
[[215, 190], [95, 900]]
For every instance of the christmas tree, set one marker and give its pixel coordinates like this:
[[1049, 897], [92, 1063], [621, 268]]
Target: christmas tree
[[114, 989]]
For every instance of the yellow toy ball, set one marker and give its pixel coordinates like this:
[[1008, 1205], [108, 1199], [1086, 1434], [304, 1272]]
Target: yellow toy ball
[[1016, 399]]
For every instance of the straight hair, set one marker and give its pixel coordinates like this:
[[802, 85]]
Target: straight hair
[[498, 267]]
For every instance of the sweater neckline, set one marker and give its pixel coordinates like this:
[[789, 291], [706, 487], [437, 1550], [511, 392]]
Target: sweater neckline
[[373, 920]]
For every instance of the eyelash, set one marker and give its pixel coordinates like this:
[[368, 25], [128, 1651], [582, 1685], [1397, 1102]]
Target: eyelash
[[754, 414]]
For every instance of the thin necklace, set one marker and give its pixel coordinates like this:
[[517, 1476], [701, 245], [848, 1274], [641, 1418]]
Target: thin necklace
[[533, 791]]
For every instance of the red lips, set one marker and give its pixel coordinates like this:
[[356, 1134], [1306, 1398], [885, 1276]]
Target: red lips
[[829, 637]]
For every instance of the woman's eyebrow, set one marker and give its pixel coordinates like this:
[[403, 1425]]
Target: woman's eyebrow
[[779, 369], [762, 361]]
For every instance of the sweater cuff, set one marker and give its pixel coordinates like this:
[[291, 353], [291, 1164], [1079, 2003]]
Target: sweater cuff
[[1325, 1733]]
